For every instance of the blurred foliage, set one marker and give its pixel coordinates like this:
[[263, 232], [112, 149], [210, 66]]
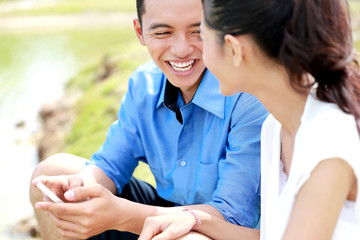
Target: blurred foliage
[[355, 14], [94, 48], [73, 7], [97, 109], [355, 6]]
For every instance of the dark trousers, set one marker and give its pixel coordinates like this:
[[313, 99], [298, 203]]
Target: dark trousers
[[136, 191]]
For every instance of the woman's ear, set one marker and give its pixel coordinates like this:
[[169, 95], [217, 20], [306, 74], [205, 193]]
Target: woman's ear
[[138, 31], [233, 49]]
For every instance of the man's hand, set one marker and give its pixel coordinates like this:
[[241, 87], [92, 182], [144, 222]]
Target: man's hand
[[59, 184], [89, 210]]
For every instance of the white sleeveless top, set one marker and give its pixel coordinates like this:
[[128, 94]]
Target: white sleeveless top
[[325, 132]]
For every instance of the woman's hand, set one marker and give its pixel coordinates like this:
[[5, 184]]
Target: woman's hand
[[171, 226]]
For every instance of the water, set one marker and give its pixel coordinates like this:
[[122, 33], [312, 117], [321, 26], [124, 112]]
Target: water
[[36, 75]]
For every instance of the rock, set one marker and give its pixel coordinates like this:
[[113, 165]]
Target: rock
[[27, 226], [107, 68], [20, 124], [57, 119]]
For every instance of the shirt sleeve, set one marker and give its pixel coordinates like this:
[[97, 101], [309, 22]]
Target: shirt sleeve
[[237, 196], [122, 149]]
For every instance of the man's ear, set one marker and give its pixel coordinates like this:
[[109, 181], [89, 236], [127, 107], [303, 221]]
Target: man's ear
[[138, 31], [233, 49]]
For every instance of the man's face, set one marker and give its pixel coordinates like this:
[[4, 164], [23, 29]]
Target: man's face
[[170, 31]]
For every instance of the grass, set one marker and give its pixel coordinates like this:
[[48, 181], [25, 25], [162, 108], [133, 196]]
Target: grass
[[98, 106]]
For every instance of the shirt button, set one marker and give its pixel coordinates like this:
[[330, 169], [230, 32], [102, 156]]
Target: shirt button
[[182, 201], [183, 163]]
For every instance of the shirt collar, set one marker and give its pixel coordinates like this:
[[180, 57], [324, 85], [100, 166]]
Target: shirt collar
[[207, 96], [162, 93]]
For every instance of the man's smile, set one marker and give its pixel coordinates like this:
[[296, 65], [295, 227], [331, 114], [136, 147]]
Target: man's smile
[[182, 66]]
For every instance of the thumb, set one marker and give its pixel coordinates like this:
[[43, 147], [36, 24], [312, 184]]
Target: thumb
[[161, 236], [82, 193], [147, 233], [75, 181]]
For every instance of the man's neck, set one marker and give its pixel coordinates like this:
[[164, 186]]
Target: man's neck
[[189, 93]]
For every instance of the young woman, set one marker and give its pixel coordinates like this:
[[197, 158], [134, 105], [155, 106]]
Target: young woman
[[297, 58]]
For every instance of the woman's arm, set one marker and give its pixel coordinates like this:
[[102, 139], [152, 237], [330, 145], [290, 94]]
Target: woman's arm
[[220, 229], [320, 200]]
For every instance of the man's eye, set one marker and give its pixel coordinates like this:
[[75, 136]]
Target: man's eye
[[196, 32], [162, 33]]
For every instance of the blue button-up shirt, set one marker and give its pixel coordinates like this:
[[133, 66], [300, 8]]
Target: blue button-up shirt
[[212, 158]]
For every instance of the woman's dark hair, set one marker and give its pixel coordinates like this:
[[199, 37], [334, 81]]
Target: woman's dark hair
[[306, 36], [140, 8]]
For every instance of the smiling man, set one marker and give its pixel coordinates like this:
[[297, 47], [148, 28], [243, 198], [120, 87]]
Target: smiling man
[[203, 148]]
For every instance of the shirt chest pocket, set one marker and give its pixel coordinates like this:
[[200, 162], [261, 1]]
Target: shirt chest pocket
[[206, 182]]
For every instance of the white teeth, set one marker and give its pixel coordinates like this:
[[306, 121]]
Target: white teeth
[[182, 67]]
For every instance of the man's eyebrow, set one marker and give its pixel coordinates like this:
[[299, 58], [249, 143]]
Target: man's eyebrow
[[159, 25], [195, 24], [163, 25]]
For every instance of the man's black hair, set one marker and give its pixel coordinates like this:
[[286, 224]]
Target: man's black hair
[[140, 7]]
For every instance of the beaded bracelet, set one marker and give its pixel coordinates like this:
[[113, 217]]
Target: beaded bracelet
[[197, 219]]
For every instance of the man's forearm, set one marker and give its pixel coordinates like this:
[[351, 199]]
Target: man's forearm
[[132, 215]]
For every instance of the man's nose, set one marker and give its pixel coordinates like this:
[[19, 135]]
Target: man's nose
[[182, 46]]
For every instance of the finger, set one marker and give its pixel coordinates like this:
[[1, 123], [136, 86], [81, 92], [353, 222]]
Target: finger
[[47, 180], [41, 178], [65, 228], [44, 205], [150, 229], [57, 184], [71, 235], [73, 212], [146, 234], [65, 224], [70, 226], [47, 199], [59, 209], [167, 234], [75, 181], [82, 193]]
